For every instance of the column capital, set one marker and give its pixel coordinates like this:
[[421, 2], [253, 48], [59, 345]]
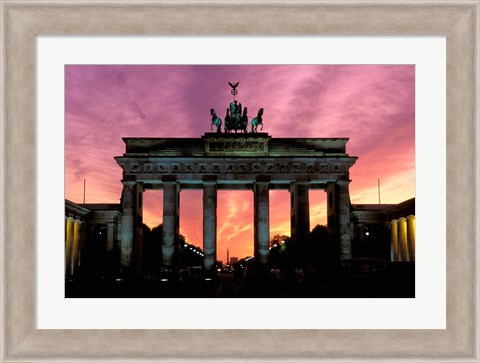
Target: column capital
[[209, 179], [129, 182], [401, 219], [169, 179], [343, 181], [301, 180], [393, 221], [411, 216], [263, 179]]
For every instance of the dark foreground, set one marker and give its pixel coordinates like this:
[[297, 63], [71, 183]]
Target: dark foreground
[[394, 280]]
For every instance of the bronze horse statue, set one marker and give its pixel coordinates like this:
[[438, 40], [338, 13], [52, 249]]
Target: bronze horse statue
[[215, 120], [257, 121]]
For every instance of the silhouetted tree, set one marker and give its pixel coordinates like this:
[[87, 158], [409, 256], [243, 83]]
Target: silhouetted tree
[[152, 248], [279, 254], [322, 250], [278, 240]]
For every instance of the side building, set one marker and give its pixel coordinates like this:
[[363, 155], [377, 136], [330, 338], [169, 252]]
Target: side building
[[384, 231], [91, 238]]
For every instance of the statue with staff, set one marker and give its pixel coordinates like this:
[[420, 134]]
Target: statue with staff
[[236, 119]]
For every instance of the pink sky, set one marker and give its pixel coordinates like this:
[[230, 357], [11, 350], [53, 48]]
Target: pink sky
[[373, 105]]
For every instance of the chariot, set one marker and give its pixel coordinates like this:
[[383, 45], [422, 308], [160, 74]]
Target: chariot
[[235, 119]]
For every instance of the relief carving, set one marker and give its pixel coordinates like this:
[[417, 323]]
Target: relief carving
[[270, 168], [243, 169], [135, 168]]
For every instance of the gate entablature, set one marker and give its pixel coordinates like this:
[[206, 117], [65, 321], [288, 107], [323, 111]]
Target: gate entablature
[[235, 161], [237, 143], [235, 157]]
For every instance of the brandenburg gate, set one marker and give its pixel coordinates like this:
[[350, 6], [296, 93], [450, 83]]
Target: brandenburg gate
[[231, 161]]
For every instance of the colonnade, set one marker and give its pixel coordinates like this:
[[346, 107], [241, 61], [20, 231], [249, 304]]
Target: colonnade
[[300, 218], [75, 237], [402, 236]]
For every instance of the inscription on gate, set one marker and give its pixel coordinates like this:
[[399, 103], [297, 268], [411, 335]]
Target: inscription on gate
[[223, 146]]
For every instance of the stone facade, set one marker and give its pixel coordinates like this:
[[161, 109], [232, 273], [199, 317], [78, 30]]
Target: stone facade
[[254, 162]]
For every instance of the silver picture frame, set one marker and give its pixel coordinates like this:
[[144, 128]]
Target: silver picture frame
[[22, 21]]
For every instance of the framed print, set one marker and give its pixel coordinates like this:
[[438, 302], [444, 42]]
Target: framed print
[[24, 188]]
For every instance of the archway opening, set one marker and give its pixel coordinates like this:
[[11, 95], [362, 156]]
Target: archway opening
[[152, 231], [318, 208], [191, 217], [234, 224], [279, 213]]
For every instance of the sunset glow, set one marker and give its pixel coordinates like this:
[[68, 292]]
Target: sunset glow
[[373, 105]]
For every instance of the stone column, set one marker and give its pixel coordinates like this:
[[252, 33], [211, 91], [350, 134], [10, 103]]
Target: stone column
[[394, 239], [128, 223], [171, 227], [83, 239], [300, 212], [411, 236], [110, 238], [261, 220], [138, 227], [209, 223], [332, 207], [402, 236], [344, 220], [69, 246], [109, 263], [77, 227]]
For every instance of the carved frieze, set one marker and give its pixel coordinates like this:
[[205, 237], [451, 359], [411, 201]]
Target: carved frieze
[[256, 168], [242, 168]]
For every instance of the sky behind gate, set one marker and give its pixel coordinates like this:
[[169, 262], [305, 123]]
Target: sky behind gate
[[373, 105]]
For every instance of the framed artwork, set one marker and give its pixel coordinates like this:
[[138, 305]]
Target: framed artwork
[[25, 23]]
